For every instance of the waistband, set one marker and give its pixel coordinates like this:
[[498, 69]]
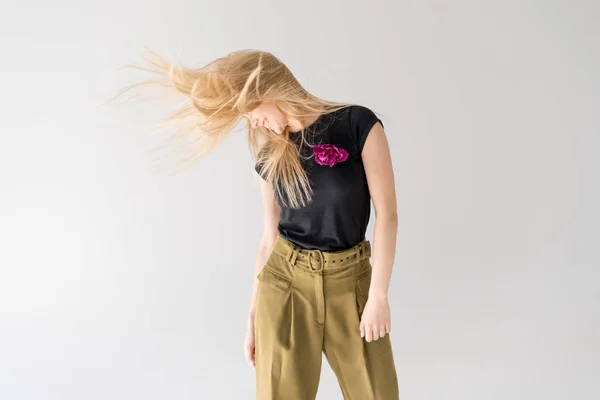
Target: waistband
[[317, 260]]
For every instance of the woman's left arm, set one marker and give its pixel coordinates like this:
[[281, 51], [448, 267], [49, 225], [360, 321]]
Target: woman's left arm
[[377, 162]]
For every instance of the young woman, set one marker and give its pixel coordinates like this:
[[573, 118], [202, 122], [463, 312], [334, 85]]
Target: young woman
[[320, 164]]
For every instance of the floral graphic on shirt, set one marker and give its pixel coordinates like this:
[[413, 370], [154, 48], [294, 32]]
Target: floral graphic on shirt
[[329, 154]]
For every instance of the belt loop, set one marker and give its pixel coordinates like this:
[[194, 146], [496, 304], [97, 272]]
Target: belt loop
[[292, 254]]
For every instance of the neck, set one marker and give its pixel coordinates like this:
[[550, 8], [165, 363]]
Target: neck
[[296, 125]]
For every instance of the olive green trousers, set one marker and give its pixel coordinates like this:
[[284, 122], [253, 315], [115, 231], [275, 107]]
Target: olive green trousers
[[309, 303]]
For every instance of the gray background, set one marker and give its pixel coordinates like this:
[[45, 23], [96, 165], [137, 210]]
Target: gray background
[[120, 283]]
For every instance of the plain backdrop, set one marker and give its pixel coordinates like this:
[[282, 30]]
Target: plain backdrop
[[118, 282]]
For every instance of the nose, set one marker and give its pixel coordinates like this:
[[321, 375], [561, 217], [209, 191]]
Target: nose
[[253, 121]]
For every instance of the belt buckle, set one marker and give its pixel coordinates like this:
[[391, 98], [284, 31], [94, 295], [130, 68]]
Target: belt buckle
[[310, 256]]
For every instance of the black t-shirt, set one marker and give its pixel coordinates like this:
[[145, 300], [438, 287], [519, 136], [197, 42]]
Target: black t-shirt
[[338, 215]]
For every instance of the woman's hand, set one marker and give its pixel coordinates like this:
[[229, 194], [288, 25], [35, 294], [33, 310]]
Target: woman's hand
[[375, 320], [249, 342]]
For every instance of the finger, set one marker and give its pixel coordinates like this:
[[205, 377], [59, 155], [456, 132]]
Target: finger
[[388, 327], [249, 353], [375, 332], [369, 333], [382, 331]]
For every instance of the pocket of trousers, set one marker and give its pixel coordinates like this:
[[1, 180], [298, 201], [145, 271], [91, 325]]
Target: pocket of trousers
[[272, 279], [361, 285]]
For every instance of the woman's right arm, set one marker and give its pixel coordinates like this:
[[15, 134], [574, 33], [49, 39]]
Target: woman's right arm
[[271, 215]]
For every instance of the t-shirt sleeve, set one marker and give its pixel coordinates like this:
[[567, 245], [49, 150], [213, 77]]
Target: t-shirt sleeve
[[362, 120], [257, 166], [257, 169]]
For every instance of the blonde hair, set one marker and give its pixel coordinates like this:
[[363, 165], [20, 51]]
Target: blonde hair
[[221, 92]]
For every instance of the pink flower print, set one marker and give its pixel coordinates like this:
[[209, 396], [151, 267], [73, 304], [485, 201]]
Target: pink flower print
[[329, 154]]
